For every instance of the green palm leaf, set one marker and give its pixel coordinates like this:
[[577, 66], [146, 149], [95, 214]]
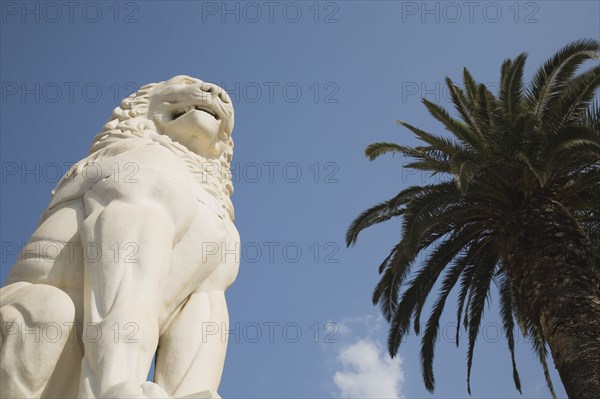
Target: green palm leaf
[[506, 153]]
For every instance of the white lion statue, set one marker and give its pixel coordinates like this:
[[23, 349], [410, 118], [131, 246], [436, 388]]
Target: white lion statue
[[131, 259]]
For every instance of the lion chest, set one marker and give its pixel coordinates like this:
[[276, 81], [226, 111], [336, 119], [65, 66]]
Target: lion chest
[[205, 256]]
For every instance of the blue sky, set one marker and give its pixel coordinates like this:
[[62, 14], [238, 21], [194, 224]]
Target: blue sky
[[313, 83]]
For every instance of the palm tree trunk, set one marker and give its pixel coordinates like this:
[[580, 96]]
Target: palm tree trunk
[[551, 264]]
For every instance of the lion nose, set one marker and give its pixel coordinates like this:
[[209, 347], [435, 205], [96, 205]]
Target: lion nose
[[215, 91], [207, 87]]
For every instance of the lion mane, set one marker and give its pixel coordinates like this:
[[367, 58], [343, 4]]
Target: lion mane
[[130, 127]]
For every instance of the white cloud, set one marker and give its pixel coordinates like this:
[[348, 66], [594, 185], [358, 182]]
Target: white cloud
[[368, 372], [368, 325]]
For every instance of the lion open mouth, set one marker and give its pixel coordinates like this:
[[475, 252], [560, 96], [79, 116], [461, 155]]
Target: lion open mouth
[[189, 108]]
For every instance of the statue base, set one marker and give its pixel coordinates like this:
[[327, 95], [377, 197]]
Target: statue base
[[202, 395]]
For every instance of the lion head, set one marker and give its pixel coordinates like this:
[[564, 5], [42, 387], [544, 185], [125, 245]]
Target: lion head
[[191, 118]]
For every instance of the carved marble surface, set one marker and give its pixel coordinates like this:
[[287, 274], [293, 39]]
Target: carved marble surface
[[131, 258]]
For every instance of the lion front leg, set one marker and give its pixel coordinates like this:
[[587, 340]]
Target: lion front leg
[[192, 350], [122, 296]]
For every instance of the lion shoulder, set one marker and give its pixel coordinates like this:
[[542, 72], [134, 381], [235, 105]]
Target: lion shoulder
[[145, 172]]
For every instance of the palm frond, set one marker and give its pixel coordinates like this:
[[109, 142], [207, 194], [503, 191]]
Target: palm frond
[[511, 86], [504, 152], [376, 214], [508, 323], [448, 146], [551, 77], [376, 150], [470, 86], [575, 100], [591, 118], [461, 103], [431, 330], [479, 291], [456, 127]]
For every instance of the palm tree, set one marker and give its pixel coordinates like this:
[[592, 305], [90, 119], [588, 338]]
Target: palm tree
[[518, 206]]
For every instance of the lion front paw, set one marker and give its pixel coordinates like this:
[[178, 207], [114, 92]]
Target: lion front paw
[[153, 390], [130, 391]]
